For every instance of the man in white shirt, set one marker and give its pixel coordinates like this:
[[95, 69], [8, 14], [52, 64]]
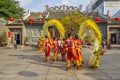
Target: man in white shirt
[[59, 45]]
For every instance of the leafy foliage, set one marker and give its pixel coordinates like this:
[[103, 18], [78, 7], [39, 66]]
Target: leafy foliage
[[89, 38], [10, 8], [72, 22]]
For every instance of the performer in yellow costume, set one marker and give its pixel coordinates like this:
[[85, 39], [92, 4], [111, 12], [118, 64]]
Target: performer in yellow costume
[[78, 46], [39, 46]]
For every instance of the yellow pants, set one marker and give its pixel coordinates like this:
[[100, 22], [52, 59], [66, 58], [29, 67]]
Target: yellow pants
[[56, 55], [79, 55], [96, 64], [40, 50]]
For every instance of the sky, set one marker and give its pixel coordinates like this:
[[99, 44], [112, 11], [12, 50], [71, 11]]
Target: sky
[[39, 5]]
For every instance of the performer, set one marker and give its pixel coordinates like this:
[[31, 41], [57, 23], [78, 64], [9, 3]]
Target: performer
[[47, 48], [63, 50], [55, 46], [39, 46], [71, 52], [95, 57], [78, 46]]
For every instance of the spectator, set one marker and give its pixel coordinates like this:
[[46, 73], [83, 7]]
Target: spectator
[[15, 44], [108, 46], [59, 45], [103, 44]]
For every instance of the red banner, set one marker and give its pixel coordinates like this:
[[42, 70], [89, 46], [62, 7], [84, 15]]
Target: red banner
[[9, 34]]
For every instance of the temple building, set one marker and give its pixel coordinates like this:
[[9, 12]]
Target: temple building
[[110, 27], [24, 31]]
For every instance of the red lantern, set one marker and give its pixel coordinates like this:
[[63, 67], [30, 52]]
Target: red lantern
[[31, 20], [11, 19], [117, 18], [97, 19], [9, 34]]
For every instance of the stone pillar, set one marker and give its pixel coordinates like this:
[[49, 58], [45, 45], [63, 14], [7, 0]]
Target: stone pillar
[[108, 34], [23, 36], [8, 41]]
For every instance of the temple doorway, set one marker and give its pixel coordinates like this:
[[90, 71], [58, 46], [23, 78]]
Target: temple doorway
[[113, 38], [16, 35], [17, 38]]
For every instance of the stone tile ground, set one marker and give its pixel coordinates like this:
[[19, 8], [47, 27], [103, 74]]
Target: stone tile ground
[[28, 64]]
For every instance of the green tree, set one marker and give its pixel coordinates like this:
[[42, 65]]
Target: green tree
[[72, 22], [3, 37], [89, 37], [10, 8]]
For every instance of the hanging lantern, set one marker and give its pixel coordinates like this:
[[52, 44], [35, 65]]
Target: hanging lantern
[[117, 18], [97, 19], [31, 20], [11, 19]]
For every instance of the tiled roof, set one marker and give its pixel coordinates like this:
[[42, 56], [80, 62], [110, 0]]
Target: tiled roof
[[114, 21], [56, 15], [35, 15], [16, 21], [104, 18], [93, 15]]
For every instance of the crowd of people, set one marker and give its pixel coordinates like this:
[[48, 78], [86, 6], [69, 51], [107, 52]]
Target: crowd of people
[[70, 49]]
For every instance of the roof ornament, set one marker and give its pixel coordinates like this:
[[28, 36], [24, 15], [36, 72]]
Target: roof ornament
[[62, 8]]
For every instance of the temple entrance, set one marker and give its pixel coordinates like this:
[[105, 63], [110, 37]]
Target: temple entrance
[[113, 38], [16, 36]]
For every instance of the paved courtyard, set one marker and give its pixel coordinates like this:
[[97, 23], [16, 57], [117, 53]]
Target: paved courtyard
[[28, 64]]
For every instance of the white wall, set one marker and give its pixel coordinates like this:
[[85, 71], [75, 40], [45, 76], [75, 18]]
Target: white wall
[[100, 8], [113, 7]]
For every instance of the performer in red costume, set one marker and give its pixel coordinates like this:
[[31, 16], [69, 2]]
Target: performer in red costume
[[55, 46], [47, 48], [78, 46], [71, 52], [63, 50]]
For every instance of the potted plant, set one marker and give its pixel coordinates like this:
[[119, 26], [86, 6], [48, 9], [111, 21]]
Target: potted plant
[[3, 39]]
